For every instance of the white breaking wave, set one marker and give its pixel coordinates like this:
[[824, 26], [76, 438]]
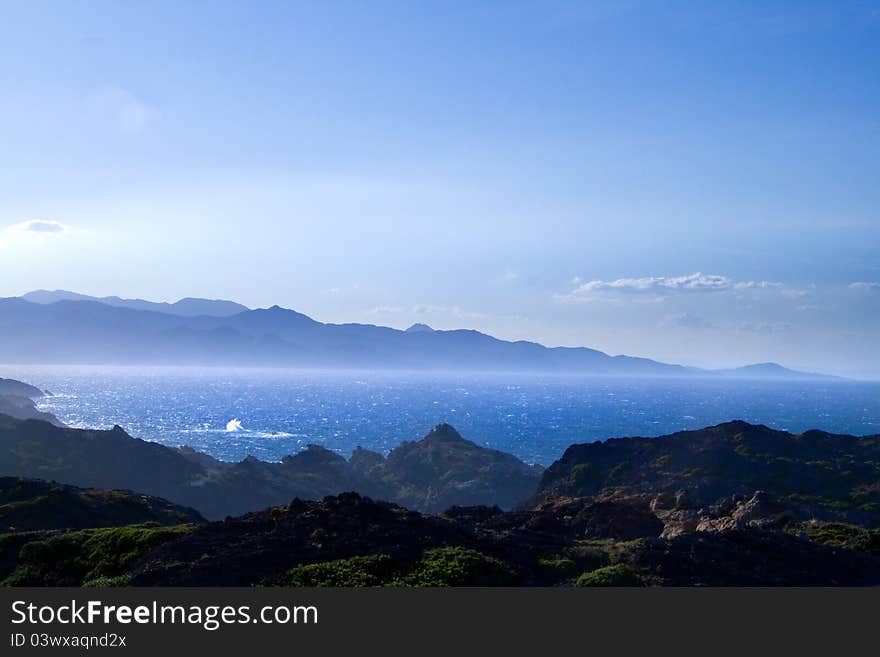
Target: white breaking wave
[[234, 425], [272, 434]]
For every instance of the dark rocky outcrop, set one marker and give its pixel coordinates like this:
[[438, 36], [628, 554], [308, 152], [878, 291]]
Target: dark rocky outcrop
[[113, 459], [623, 518], [17, 400], [429, 475], [23, 408], [552, 545], [19, 389], [244, 551], [748, 558]]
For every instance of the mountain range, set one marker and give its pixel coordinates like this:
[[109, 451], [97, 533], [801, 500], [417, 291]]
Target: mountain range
[[64, 327], [187, 307]]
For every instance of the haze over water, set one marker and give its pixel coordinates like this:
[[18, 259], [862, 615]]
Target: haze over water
[[279, 412]]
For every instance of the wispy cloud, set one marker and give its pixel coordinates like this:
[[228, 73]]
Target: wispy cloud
[[866, 286], [455, 315], [764, 327], [428, 309], [122, 109], [659, 287], [688, 321]]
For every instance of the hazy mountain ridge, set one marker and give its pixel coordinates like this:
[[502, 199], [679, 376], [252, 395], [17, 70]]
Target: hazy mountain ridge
[[93, 332], [187, 307]]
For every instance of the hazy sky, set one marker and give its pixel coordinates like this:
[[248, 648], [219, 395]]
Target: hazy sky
[[691, 181]]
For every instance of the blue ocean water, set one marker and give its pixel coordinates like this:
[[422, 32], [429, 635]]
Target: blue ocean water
[[279, 412]]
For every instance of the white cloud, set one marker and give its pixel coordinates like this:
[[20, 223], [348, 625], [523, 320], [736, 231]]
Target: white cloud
[[698, 281], [38, 226], [866, 286], [658, 287], [34, 228]]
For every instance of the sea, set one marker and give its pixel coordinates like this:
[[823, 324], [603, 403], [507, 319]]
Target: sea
[[271, 413]]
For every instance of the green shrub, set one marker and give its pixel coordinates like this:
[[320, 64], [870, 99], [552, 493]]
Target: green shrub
[[72, 558], [371, 570], [583, 473], [558, 566], [616, 575], [106, 582], [841, 534], [453, 566], [456, 566], [109, 551], [618, 470]]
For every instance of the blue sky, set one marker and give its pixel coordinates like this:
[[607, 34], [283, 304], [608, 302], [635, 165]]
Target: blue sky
[[692, 181]]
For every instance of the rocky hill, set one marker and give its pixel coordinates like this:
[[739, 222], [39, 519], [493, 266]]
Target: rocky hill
[[815, 474], [443, 469], [34, 504]]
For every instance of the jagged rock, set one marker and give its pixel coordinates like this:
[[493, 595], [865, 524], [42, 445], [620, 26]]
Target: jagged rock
[[678, 522], [365, 461], [443, 469], [620, 520], [761, 511], [683, 500], [663, 501], [723, 507]]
